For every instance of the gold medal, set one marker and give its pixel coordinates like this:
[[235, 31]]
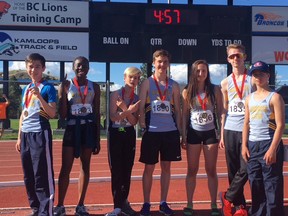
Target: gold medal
[[25, 113]]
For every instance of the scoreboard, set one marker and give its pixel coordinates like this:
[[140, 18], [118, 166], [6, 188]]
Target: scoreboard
[[131, 32]]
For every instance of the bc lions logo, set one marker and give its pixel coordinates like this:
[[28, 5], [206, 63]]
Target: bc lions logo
[[7, 47], [4, 7]]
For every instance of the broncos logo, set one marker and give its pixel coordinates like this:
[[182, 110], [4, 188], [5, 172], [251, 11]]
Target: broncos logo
[[4, 7]]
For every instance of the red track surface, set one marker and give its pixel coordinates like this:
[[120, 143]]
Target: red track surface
[[13, 199]]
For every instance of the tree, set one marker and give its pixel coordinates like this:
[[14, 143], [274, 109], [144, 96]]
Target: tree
[[15, 98]]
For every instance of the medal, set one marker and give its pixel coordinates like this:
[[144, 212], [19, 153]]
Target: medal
[[204, 115], [83, 110], [240, 104], [25, 113], [162, 106]]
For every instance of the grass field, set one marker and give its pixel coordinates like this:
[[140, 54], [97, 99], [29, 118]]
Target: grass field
[[12, 133]]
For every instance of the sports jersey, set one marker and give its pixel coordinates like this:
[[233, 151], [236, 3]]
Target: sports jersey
[[200, 119], [159, 115], [35, 119], [236, 106], [124, 122], [77, 108], [262, 119]]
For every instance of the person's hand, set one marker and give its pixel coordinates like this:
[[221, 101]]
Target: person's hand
[[35, 90], [121, 104], [134, 107], [184, 144], [18, 146], [245, 153], [97, 149], [221, 144], [65, 84], [270, 157]]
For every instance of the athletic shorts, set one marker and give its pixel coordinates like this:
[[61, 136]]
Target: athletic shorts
[[69, 137], [165, 143], [201, 137]]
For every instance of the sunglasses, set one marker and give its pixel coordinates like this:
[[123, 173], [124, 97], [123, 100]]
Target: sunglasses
[[237, 55]]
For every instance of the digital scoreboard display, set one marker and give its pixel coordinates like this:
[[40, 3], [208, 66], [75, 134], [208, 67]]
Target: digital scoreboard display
[[174, 16], [131, 32]]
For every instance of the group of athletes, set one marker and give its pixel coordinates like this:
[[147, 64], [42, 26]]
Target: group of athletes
[[243, 115]]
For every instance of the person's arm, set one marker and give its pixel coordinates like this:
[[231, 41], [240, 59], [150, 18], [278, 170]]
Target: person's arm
[[224, 90], [18, 143], [142, 97], [96, 110], [185, 118], [177, 108], [7, 100], [245, 133], [130, 113], [276, 104], [219, 111]]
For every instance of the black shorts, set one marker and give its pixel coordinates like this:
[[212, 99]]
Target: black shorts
[[69, 138], [165, 143], [202, 137]]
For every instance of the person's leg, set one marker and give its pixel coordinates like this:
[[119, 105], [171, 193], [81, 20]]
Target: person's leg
[[64, 175], [129, 155], [84, 176], [147, 180], [193, 155], [116, 159], [254, 171], [28, 173], [41, 156], [211, 153], [165, 178], [274, 185], [235, 192]]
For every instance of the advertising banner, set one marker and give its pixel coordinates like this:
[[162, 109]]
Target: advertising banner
[[269, 19], [272, 50], [43, 13], [54, 46]]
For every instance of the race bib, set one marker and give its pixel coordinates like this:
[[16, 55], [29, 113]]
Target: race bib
[[80, 109], [161, 107], [236, 107], [202, 117]]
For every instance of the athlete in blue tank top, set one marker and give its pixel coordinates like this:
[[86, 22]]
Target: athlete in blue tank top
[[262, 146], [235, 89], [160, 118]]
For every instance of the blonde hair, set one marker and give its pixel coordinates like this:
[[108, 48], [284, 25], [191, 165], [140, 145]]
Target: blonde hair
[[235, 46], [132, 71]]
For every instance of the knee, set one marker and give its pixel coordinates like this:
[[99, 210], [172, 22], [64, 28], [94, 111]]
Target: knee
[[192, 172]]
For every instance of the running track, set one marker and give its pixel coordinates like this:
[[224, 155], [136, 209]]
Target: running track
[[13, 199]]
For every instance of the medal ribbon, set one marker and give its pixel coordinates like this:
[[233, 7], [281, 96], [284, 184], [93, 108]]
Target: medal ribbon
[[203, 102], [85, 90], [162, 97], [240, 93], [131, 97], [28, 96]]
